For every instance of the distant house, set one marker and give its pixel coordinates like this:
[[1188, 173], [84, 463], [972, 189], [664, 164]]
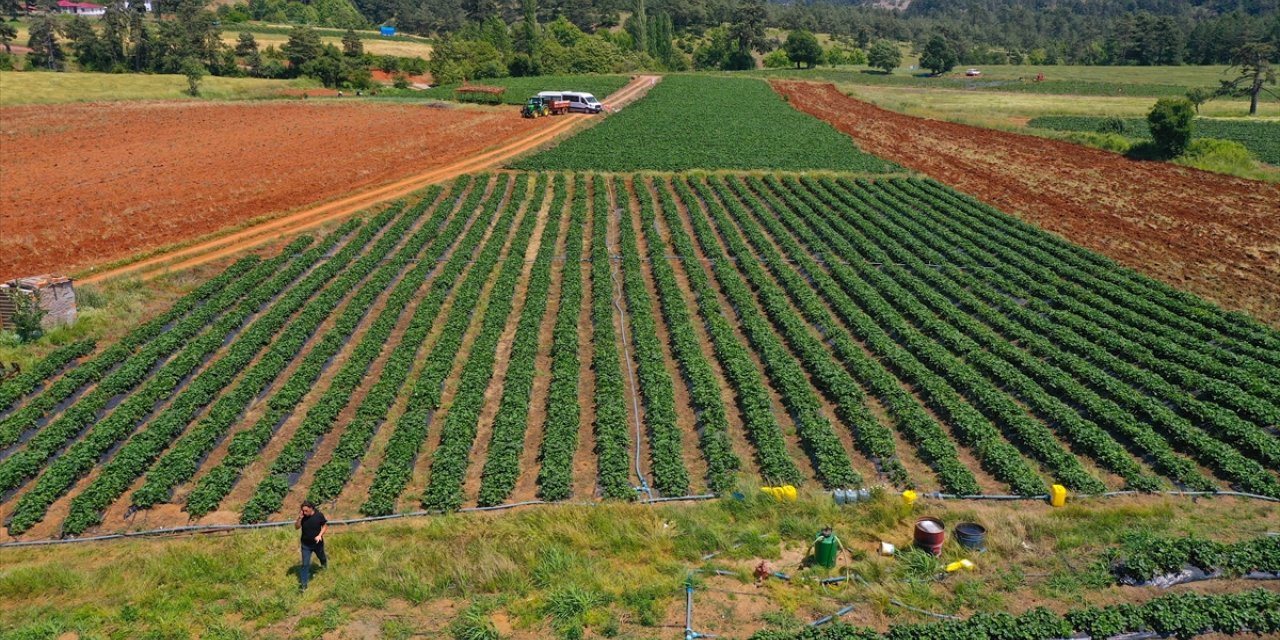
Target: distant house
[[80, 8]]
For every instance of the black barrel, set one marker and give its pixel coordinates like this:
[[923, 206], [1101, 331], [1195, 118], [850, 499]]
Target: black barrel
[[971, 535]]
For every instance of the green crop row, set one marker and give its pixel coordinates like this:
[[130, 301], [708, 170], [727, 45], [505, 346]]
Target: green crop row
[[1182, 616], [452, 456], [1090, 363], [754, 403], [502, 467], [1262, 137], [93, 371], [560, 433], [670, 476], [81, 457], [136, 456], [29, 461], [707, 123], [784, 370], [712, 422], [1143, 556], [410, 431], [182, 461], [323, 416], [612, 429], [14, 389]]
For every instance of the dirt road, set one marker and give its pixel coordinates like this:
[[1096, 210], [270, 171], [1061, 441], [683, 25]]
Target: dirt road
[[1212, 234]]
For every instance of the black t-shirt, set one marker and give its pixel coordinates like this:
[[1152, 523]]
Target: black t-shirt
[[311, 526]]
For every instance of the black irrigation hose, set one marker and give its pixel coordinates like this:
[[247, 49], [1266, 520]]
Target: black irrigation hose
[[216, 528], [1109, 494]]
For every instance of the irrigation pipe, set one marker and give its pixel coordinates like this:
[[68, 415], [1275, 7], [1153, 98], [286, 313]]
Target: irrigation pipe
[[1109, 494], [217, 528], [626, 356], [941, 616]]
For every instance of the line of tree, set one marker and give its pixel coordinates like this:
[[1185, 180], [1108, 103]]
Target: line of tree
[[190, 42]]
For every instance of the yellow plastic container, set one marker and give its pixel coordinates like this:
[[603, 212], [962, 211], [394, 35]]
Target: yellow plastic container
[[909, 497], [1058, 495], [965, 564], [784, 493]]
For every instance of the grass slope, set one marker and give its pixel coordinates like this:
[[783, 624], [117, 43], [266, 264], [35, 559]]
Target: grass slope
[[707, 122], [616, 570], [18, 88]]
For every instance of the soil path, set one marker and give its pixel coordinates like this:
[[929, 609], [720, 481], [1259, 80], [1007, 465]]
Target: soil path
[[1212, 234]]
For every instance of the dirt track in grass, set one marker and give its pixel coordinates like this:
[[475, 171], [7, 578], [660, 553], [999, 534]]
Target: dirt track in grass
[[1211, 234]]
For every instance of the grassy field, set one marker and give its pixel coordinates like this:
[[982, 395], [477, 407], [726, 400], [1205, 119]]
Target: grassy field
[[707, 123], [614, 570], [1072, 80], [519, 89], [18, 88]]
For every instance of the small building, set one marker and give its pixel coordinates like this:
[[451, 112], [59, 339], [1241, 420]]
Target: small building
[[54, 293], [80, 8]]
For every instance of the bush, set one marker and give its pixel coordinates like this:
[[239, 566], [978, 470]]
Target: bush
[[1170, 124], [1221, 156], [1112, 124], [27, 317], [777, 59], [1106, 141]]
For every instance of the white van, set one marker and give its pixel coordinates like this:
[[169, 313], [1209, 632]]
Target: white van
[[582, 102]]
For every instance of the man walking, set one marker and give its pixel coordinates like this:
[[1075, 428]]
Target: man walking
[[313, 526]]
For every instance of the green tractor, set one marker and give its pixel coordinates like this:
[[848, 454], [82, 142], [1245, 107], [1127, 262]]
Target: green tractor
[[536, 107]]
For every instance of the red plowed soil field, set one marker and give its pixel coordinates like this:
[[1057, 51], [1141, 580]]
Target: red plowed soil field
[[1214, 235], [85, 184]]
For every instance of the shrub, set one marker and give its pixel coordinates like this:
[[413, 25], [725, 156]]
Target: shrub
[[1222, 156], [1105, 141], [1112, 124], [1170, 124], [27, 317], [777, 59]]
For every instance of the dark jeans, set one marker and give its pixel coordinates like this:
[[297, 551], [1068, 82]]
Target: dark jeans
[[305, 574]]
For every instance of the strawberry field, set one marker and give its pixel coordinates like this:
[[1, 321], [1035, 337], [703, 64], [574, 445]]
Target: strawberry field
[[529, 336]]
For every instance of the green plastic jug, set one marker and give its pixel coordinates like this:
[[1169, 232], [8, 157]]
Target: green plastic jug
[[825, 551]]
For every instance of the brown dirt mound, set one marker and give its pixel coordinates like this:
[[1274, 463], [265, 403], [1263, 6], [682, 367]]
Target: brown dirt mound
[[86, 184], [1211, 234]]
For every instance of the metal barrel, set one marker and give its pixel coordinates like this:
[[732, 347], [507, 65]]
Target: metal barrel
[[971, 535], [929, 535]]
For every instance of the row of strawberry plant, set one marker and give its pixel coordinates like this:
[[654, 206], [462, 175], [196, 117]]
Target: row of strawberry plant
[[827, 454], [183, 459], [411, 428], [611, 426], [1222, 423], [452, 457], [1005, 367], [985, 394], [1109, 300], [18, 387], [1181, 615], [710, 418], [945, 297], [834, 379], [1143, 556], [502, 467], [754, 403], [1248, 437], [670, 476], [105, 363], [320, 420], [136, 456], [1146, 296], [903, 350], [247, 445], [1061, 350], [560, 430], [28, 462], [332, 476], [81, 457], [931, 441]]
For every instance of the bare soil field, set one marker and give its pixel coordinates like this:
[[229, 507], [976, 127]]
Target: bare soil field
[[1214, 235], [87, 184]]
